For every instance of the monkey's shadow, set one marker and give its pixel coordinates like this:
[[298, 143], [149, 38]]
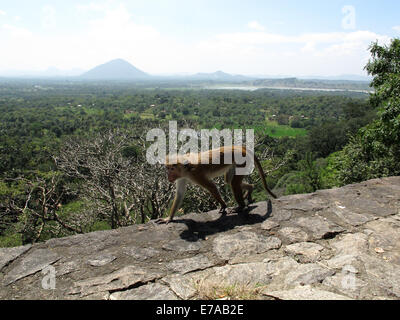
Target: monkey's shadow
[[201, 229]]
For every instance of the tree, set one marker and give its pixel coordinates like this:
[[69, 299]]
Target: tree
[[375, 150], [34, 204], [116, 178]]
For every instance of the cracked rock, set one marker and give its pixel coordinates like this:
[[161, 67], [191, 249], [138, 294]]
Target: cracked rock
[[305, 252], [269, 224], [181, 245], [293, 234], [243, 243], [101, 260], [304, 293], [319, 227], [151, 291], [183, 266], [246, 273], [30, 264], [308, 274], [118, 280], [141, 254], [7, 255]]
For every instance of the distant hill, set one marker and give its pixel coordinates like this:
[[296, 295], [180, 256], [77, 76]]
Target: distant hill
[[117, 69]]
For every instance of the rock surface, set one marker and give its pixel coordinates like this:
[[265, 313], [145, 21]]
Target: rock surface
[[342, 243]]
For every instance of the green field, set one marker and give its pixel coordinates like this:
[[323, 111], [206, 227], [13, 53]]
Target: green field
[[273, 129]]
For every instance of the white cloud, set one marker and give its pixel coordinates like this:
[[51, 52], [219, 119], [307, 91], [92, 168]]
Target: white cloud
[[93, 6], [110, 31], [16, 32], [255, 25], [329, 53], [396, 28], [2, 13]]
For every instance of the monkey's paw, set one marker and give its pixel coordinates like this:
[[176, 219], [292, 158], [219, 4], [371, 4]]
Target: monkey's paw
[[239, 209], [223, 211], [163, 221]]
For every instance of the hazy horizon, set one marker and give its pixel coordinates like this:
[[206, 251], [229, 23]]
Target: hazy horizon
[[185, 37]]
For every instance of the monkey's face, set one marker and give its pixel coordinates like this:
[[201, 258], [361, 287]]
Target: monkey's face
[[173, 172]]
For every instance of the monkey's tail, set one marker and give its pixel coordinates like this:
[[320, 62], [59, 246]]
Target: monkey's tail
[[262, 175]]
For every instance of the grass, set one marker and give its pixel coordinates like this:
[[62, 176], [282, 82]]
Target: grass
[[146, 115], [208, 290], [273, 129]]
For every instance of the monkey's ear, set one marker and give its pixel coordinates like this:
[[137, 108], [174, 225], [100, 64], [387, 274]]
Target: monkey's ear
[[187, 165]]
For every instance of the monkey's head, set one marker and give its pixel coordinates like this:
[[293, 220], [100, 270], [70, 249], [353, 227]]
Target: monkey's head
[[174, 172], [176, 169]]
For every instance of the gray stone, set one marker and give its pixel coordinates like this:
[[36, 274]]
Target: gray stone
[[383, 275], [307, 274], [141, 254], [8, 255], [244, 274], [293, 234], [351, 244], [182, 285], [282, 266], [367, 251], [183, 266], [151, 291], [304, 293], [319, 227], [308, 203], [281, 215], [305, 252], [101, 260], [117, 280], [385, 235], [269, 224], [181, 246], [352, 218], [363, 205], [348, 284], [341, 260], [33, 262], [243, 243], [64, 268]]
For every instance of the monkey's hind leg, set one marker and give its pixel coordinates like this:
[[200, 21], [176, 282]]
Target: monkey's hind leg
[[213, 190], [237, 190], [249, 190]]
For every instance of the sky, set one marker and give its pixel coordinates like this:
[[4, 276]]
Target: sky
[[252, 37]]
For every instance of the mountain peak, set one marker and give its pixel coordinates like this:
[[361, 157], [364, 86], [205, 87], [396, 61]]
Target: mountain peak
[[117, 69]]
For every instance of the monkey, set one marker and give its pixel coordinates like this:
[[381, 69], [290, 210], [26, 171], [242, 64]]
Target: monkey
[[182, 169]]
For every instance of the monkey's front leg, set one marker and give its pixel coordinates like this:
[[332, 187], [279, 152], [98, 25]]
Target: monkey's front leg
[[180, 193]]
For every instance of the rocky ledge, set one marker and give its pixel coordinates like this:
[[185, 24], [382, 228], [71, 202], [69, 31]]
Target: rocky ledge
[[342, 243]]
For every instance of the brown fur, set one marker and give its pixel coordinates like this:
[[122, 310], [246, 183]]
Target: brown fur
[[184, 168]]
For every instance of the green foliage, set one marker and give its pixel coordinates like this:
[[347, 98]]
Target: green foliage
[[328, 171], [35, 123], [99, 225], [375, 150], [10, 240], [276, 130]]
